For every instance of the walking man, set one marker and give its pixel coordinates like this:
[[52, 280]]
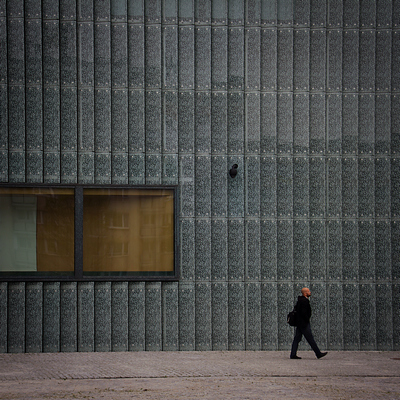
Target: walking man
[[303, 312]]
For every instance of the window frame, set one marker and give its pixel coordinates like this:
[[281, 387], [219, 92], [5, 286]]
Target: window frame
[[78, 274]]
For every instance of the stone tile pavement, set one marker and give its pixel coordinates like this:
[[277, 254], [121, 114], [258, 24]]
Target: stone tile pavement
[[200, 375]]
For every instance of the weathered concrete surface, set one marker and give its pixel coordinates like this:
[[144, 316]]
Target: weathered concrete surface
[[200, 375]]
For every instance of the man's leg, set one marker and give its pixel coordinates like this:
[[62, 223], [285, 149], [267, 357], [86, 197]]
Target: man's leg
[[296, 340], [310, 339]]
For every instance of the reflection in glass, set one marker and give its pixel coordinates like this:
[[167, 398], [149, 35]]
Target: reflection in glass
[[128, 230], [36, 230]]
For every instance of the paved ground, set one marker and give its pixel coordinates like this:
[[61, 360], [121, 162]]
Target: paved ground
[[200, 375]]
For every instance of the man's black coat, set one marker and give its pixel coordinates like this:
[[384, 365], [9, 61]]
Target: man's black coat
[[303, 309]]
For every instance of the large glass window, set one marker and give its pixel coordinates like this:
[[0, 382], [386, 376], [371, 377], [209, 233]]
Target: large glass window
[[87, 232], [128, 230], [36, 230]]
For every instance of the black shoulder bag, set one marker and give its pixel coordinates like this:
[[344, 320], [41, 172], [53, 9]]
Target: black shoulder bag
[[292, 317]]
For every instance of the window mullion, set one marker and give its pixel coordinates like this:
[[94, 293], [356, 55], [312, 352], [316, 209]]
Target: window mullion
[[78, 259]]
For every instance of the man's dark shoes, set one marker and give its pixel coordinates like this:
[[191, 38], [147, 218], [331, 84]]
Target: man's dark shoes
[[322, 355], [295, 358]]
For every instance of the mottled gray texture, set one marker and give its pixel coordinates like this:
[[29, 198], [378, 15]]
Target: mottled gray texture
[[153, 325], [68, 316], [203, 250], [102, 317], [4, 317], [301, 57], [16, 308], [301, 187], [268, 56], [203, 316], [203, 123], [170, 122], [86, 312], [119, 316], [219, 293], [34, 317], [136, 317], [51, 317], [252, 126], [187, 316], [203, 187], [170, 306], [219, 58]]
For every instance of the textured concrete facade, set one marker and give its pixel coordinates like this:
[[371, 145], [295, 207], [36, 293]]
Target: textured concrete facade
[[303, 95]]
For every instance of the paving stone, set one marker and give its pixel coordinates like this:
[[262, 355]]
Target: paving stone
[[199, 375]]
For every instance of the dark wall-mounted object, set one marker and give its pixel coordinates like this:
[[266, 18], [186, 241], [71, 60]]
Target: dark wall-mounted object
[[233, 171]]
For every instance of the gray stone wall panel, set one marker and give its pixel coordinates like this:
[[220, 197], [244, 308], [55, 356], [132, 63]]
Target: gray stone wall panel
[[302, 95], [16, 308], [136, 316], [102, 316], [170, 308], [51, 317], [119, 316], [3, 317], [34, 317], [69, 316]]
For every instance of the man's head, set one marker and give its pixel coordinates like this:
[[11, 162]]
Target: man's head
[[306, 292]]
